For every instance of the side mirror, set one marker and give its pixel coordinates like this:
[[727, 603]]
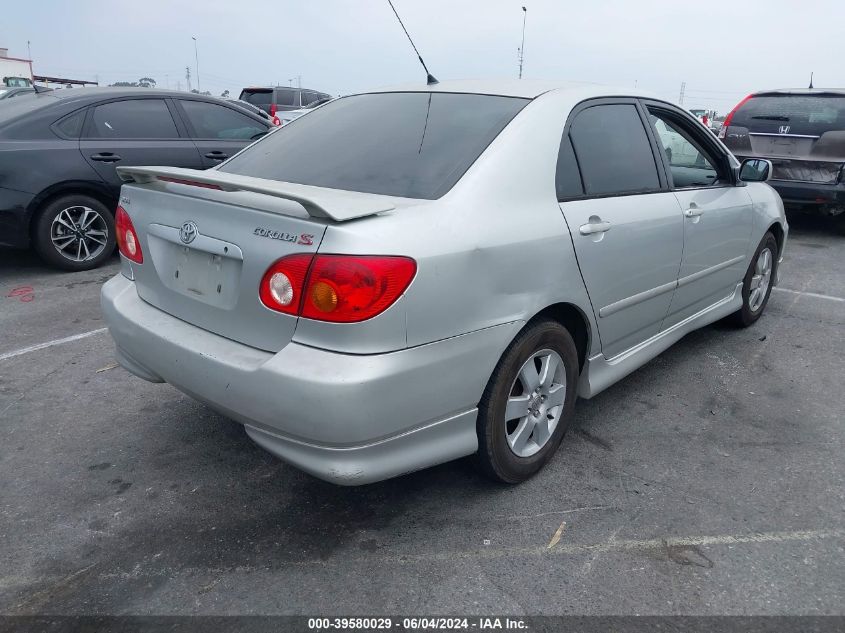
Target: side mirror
[[755, 170]]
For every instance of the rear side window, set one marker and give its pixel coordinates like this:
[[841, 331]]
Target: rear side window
[[71, 125], [409, 144], [792, 114], [212, 121], [285, 98], [567, 178], [309, 97], [613, 151], [133, 118]]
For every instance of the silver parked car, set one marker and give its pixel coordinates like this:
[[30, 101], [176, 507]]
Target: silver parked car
[[407, 277]]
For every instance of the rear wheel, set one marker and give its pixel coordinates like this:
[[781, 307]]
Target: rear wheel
[[528, 403], [757, 285], [74, 232]]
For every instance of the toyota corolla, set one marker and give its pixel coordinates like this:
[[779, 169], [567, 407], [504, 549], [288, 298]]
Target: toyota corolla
[[410, 276]]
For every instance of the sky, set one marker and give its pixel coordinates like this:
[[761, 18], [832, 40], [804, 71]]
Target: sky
[[721, 50]]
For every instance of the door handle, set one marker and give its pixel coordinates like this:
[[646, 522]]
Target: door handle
[[693, 212], [594, 227], [106, 157], [216, 155]]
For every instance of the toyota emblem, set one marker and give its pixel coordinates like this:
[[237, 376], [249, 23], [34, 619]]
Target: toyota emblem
[[188, 232]]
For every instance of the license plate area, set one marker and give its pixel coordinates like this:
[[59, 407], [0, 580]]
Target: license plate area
[[210, 274]]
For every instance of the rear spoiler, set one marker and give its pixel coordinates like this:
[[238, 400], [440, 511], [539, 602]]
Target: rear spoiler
[[331, 204]]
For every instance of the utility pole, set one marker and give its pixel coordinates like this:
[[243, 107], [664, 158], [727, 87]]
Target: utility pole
[[197, 59], [681, 96], [188, 76], [28, 51], [522, 46]]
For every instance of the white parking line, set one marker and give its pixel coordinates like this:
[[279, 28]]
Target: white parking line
[[810, 294], [58, 341]]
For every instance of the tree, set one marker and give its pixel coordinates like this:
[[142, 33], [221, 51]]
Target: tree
[[204, 92], [225, 94], [143, 82]]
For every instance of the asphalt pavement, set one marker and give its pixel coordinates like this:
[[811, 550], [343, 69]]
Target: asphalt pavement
[[711, 481]]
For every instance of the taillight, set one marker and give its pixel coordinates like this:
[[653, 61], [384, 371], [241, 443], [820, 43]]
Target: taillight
[[272, 109], [724, 129], [351, 288], [127, 238], [336, 288], [282, 284]]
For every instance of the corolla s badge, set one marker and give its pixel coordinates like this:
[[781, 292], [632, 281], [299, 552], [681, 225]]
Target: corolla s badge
[[188, 232], [784, 129]]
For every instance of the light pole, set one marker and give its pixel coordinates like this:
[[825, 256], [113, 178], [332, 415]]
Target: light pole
[[197, 59], [522, 46]]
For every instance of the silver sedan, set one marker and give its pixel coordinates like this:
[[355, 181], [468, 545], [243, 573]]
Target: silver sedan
[[411, 276]]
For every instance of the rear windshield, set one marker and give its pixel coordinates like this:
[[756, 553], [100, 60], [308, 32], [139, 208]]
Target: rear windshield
[[801, 114], [14, 108], [257, 97], [408, 144]]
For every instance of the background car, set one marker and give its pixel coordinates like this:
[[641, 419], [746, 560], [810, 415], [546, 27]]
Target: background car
[[58, 153], [283, 99], [802, 132], [8, 93], [246, 105]]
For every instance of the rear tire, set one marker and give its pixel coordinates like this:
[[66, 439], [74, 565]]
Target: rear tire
[[757, 284], [527, 406], [74, 232]]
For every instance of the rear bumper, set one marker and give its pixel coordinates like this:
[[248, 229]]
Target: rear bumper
[[810, 194], [349, 419], [14, 218]]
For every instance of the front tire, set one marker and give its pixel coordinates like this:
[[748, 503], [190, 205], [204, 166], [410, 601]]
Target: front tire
[[74, 232], [527, 406], [757, 284]]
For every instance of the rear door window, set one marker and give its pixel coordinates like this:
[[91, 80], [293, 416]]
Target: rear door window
[[133, 119], [812, 115], [409, 144], [213, 121], [613, 151]]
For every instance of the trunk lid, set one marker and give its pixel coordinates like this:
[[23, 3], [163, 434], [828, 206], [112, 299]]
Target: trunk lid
[[206, 250]]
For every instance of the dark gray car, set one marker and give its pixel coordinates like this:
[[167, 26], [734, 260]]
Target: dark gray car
[[802, 132], [58, 153]]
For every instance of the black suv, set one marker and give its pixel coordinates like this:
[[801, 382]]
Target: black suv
[[59, 150], [280, 99], [802, 132]]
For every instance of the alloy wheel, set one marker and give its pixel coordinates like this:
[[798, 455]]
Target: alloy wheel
[[535, 403], [760, 280], [79, 233]]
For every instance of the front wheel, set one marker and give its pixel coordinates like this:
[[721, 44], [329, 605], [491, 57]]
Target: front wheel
[[528, 403], [757, 284]]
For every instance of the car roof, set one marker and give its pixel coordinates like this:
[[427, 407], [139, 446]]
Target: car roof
[[525, 88], [802, 91], [292, 88], [91, 94]]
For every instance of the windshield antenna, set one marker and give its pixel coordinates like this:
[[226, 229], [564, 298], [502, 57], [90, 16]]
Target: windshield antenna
[[430, 80]]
